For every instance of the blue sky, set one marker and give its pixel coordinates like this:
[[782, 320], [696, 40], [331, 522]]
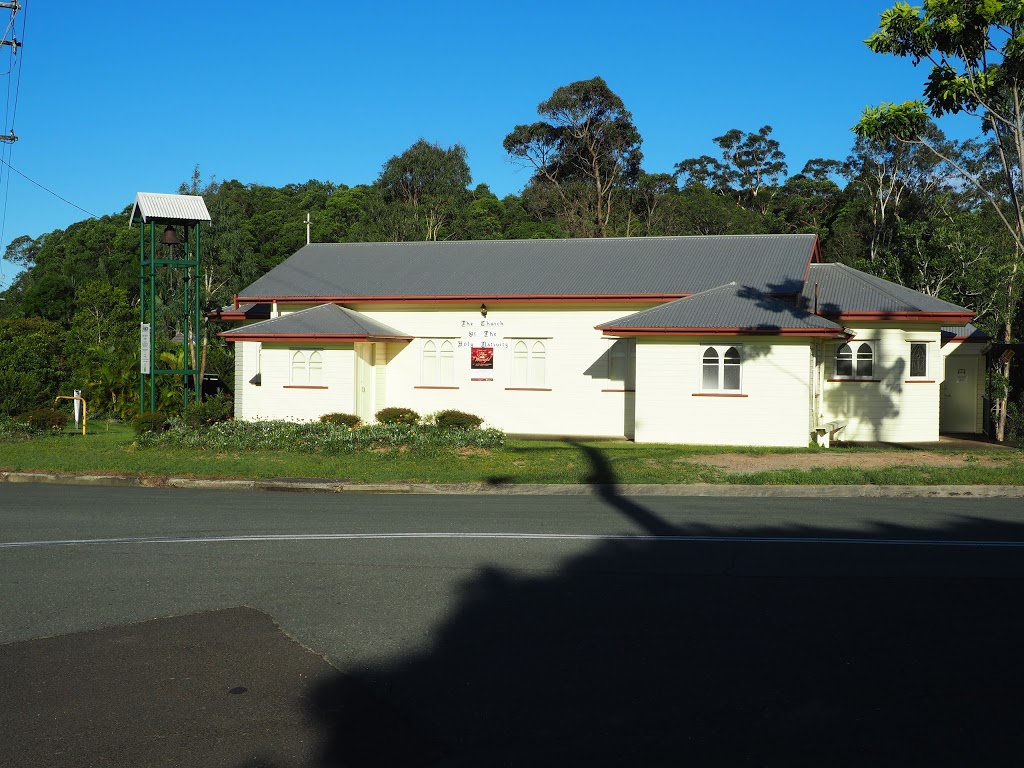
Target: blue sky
[[121, 97]]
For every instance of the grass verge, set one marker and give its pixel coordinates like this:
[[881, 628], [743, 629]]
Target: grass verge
[[111, 449]]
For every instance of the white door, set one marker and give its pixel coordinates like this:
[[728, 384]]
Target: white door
[[958, 410], [364, 382]]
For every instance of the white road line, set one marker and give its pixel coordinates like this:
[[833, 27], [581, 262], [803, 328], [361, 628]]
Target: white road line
[[511, 536]]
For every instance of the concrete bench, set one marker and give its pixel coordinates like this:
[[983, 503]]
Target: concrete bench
[[823, 433]]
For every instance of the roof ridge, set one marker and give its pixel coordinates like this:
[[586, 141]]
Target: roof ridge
[[538, 240]]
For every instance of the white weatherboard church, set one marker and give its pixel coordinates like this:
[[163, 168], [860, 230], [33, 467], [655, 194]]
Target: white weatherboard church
[[728, 340]]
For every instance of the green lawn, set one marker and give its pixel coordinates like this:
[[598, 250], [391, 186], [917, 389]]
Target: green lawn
[[109, 448]]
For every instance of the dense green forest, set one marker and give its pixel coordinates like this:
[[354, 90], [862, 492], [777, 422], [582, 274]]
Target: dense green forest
[[895, 208]]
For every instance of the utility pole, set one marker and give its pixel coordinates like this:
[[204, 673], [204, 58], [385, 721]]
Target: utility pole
[[14, 44], [309, 223]]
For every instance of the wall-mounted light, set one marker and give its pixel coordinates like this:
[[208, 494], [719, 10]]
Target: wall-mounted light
[[483, 310]]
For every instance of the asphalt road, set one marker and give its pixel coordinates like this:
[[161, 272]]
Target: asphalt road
[[195, 628]]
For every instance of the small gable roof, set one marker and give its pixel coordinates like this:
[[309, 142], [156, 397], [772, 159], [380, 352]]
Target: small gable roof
[[838, 291], [731, 309], [327, 323], [168, 209], [621, 268]]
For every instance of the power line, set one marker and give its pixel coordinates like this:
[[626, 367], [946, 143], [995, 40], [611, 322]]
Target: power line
[[45, 189]]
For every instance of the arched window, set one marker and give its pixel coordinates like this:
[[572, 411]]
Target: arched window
[[446, 370], [709, 377], [429, 377], [520, 364], [538, 361], [721, 369], [855, 361], [307, 368], [437, 363], [298, 368], [529, 365], [731, 370], [315, 369]]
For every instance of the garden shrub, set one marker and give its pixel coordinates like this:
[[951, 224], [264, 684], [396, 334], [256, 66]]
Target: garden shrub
[[45, 418], [340, 419], [1015, 421], [208, 411], [149, 422], [457, 420], [322, 438], [398, 416], [11, 430]]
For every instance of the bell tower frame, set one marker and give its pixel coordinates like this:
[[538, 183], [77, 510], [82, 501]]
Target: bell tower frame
[[161, 217]]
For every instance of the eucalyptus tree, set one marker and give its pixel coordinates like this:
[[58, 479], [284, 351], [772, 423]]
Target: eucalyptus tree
[[750, 172], [22, 250], [581, 152], [977, 68], [647, 192], [425, 191], [806, 202], [889, 173]]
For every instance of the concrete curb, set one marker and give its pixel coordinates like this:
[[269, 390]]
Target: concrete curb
[[61, 478], [313, 485]]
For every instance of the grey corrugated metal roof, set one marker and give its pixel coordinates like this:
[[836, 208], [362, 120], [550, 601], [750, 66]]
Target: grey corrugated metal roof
[[727, 307], [325, 320], [248, 311], [967, 332], [170, 209], [842, 289], [650, 266]]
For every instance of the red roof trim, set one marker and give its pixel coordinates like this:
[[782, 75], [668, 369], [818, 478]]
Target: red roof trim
[[946, 318], [812, 332], [452, 299], [333, 338]]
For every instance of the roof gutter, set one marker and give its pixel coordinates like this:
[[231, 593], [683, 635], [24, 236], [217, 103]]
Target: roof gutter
[[326, 338], [824, 333]]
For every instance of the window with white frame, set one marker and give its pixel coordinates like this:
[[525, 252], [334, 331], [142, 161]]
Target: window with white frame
[[721, 368], [438, 363], [529, 364], [855, 360], [307, 368], [918, 360]]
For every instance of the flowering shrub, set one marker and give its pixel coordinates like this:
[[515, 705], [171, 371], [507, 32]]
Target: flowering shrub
[[397, 415], [318, 437], [341, 419], [12, 430]]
